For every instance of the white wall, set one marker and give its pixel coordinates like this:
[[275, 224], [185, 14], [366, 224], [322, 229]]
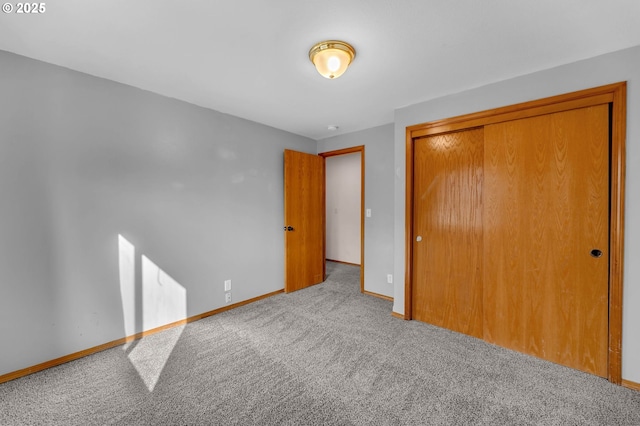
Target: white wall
[[378, 196], [343, 210], [108, 192], [611, 68]]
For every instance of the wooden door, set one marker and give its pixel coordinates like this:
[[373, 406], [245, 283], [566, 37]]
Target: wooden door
[[447, 228], [303, 220], [546, 207]]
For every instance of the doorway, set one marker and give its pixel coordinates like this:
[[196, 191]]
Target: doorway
[[344, 232]]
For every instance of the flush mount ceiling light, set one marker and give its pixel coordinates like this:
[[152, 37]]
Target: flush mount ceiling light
[[332, 57]]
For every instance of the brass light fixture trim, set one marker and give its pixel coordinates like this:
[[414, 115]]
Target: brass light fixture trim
[[332, 57]]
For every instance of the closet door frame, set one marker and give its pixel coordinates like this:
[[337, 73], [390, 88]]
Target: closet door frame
[[615, 96]]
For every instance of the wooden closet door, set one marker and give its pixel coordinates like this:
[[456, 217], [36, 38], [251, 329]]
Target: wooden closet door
[[447, 261], [546, 207]]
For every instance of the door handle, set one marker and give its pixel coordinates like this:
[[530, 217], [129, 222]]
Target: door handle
[[596, 253], [288, 228]]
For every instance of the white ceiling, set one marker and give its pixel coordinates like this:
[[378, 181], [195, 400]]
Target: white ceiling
[[249, 57]]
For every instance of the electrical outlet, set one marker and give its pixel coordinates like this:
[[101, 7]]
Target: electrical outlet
[[227, 285], [227, 297], [389, 279]]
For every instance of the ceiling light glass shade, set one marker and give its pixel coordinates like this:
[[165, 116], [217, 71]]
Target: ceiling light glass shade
[[332, 57]]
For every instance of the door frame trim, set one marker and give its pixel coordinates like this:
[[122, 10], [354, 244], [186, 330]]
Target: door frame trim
[[360, 149], [612, 94]]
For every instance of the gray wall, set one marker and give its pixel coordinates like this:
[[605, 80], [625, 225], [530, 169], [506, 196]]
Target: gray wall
[[378, 196], [611, 68], [83, 160]]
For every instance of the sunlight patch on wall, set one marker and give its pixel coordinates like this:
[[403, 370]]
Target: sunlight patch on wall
[[163, 301]]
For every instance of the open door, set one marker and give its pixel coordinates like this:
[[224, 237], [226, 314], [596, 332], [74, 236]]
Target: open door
[[303, 220]]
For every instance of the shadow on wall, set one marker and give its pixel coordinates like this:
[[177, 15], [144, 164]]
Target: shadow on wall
[[163, 301]]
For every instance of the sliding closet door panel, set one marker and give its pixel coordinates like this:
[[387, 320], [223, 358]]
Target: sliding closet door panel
[[447, 240], [546, 209]]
